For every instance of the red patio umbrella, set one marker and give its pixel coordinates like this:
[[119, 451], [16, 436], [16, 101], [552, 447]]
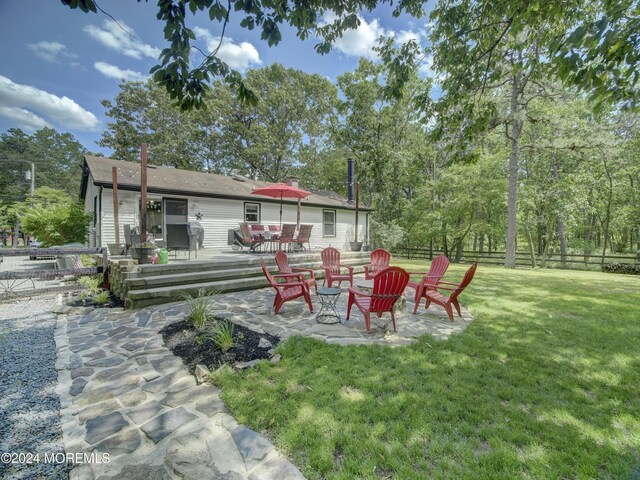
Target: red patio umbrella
[[281, 190]]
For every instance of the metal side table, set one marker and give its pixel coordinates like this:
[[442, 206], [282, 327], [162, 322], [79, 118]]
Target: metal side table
[[328, 299]]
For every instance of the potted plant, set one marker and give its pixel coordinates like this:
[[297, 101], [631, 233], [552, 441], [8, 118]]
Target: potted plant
[[355, 246], [144, 252], [116, 248]]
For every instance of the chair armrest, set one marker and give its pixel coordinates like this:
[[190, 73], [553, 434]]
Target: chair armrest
[[347, 267], [306, 270], [449, 283], [438, 287], [360, 293], [288, 275], [291, 284]]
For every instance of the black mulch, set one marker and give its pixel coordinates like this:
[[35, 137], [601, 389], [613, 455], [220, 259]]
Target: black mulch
[[180, 338], [112, 302]]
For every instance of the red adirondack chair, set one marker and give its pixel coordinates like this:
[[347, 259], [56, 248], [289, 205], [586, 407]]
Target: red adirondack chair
[[429, 280], [283, 265], [333, 269], [388, 286], [455, 288], [380, 260], [291, 289]]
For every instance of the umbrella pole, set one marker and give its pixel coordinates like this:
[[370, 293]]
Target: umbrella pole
[[280, 211]]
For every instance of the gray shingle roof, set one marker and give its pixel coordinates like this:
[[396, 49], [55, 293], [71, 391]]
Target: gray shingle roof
[[186, 182]]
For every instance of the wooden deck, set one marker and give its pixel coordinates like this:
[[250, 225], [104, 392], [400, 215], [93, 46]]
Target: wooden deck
[[213, 271]]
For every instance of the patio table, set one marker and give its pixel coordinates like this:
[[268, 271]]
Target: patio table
[[328, 299]]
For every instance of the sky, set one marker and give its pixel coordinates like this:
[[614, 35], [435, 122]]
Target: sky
[[58, 64]]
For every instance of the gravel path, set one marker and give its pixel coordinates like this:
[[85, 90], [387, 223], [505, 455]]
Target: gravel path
[[29, 406]]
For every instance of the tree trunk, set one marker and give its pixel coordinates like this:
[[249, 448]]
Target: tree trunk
[[545, 252], [16, 233], [563, 242], [527, 229], [607, 216], [444, 240], [481, 243], [514, 159]]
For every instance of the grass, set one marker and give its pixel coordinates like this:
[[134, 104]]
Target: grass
[[543, 384]]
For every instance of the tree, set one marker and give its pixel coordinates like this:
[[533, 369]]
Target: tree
[[275, 138], [189, 85], [597, 50], [143, 112], [385, 138], [55, 218], [57, 157]]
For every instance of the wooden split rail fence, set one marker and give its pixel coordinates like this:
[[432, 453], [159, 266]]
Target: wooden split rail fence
[[523, 259]]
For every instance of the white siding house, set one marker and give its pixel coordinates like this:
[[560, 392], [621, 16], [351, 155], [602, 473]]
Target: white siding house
[[219, 203]]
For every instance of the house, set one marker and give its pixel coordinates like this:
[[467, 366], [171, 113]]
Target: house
[[219, 203]]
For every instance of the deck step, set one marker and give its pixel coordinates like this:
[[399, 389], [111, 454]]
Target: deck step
[[144, 285]]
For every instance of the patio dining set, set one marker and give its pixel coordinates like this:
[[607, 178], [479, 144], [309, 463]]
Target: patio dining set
[[382, 288], [270, 238]]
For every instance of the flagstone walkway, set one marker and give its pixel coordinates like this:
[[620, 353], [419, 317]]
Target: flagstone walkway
[[124, 394]]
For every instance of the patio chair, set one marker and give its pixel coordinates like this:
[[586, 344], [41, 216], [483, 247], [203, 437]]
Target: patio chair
[[388, 286], [333, 269], [257, 230], [304, 236], [179, 238], [430, 279], [455, 288], [380, 259], [291, 289], [249, 240], [286, 235], [283, 265], [275, 231]]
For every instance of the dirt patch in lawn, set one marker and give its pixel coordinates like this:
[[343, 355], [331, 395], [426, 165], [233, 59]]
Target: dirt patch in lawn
[[193, 346]]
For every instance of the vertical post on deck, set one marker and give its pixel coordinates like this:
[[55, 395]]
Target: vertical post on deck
[[116, 217], [143, 193]]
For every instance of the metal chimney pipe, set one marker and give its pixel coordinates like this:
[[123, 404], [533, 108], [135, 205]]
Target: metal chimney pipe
[[350, 183]]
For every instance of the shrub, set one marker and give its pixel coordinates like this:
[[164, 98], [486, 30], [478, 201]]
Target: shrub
[[57, 223], [92, 284], [223, 336], [199, 308], [628, 268], [101, 297]]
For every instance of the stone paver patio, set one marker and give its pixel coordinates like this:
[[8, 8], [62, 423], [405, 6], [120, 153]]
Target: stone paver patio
[[123, 393]]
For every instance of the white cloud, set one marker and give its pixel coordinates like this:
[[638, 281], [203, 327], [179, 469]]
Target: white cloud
[[403, 36], [359, 42], [121, 38], [238, 56], [23, 118], [112, 71], [60, 110], [50, 51]]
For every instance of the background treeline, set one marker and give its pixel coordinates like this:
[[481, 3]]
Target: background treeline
[[431, 185]]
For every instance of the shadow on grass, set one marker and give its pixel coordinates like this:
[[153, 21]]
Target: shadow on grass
[[541, 385]]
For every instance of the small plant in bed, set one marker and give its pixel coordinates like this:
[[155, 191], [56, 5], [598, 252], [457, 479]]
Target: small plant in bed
[[220, 342], [199, 308]]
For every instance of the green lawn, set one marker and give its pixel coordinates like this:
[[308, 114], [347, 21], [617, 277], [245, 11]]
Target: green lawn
[[543, 384]]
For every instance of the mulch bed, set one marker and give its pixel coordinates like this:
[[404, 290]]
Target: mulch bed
[[112, 302], [180, 338]]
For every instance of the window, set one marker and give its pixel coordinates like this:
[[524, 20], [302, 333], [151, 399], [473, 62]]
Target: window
[[252, 212], [95, 211], [328, 223]]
